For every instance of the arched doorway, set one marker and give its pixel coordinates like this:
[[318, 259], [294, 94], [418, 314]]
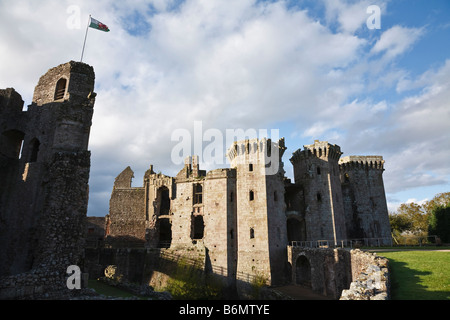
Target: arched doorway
[[303, 272]]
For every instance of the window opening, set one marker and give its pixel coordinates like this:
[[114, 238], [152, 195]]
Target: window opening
[[164, 201], [198, 194], [60, 89], [198, 228]]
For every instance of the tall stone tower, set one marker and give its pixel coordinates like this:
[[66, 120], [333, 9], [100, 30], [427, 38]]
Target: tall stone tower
[[316, 171], [364, 198], [261, 221], [44, 170]]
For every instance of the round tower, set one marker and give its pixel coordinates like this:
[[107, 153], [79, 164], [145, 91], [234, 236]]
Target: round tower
[[261, 222], [364, 197], [63, 100], [316, 171]]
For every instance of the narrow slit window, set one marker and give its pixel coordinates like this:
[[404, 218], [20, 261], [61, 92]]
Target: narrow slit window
[[251, 195], [319, 197]]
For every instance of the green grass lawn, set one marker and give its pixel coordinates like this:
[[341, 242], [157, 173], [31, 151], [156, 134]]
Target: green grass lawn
[[419, 275]]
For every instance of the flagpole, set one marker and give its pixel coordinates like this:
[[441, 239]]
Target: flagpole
[[84, 44]]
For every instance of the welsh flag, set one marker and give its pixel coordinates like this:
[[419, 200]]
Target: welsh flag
[[98, 25]]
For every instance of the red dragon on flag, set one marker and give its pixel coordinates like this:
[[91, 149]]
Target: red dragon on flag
[[98, 25]]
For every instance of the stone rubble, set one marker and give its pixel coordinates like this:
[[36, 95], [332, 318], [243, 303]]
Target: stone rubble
[[373, 281]]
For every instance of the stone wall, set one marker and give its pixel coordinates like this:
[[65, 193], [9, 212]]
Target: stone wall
[[340, 273], [60, 238], [152, 267], [126, 211], [371, 279]]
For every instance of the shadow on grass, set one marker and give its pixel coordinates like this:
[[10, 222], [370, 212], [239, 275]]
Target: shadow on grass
[[406, 284]]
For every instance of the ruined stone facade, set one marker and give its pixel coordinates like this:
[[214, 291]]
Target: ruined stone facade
[[244, 216], [44, 174]]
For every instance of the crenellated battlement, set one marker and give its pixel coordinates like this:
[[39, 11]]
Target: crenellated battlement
[[363, 162], [255, 149], [320, 149]]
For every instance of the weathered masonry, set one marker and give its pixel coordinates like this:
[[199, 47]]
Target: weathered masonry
[[245, 217], [44, 174]]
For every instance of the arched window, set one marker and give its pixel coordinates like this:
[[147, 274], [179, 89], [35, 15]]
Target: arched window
[[251, 195], [60, 89], [252, 233]]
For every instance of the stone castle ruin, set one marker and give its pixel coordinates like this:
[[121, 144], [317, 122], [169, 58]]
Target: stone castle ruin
[[44, 173], [244, 218], [240, 222]]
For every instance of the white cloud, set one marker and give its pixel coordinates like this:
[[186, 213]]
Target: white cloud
[[396, 41], [350, 15], [233, 64]]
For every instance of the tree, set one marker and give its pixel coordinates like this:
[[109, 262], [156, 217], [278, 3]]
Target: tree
[[412, 217], [422, 219], [399, 223], [441, 199], [439, 223]]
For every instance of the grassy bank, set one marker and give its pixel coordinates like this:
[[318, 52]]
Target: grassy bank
[[419, 275]]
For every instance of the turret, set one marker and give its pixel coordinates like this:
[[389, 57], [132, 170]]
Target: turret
[[316, 171], [261, 221], [44, 170], [364, 197]]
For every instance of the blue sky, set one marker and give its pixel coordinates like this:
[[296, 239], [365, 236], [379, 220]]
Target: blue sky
[[311, 69]]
